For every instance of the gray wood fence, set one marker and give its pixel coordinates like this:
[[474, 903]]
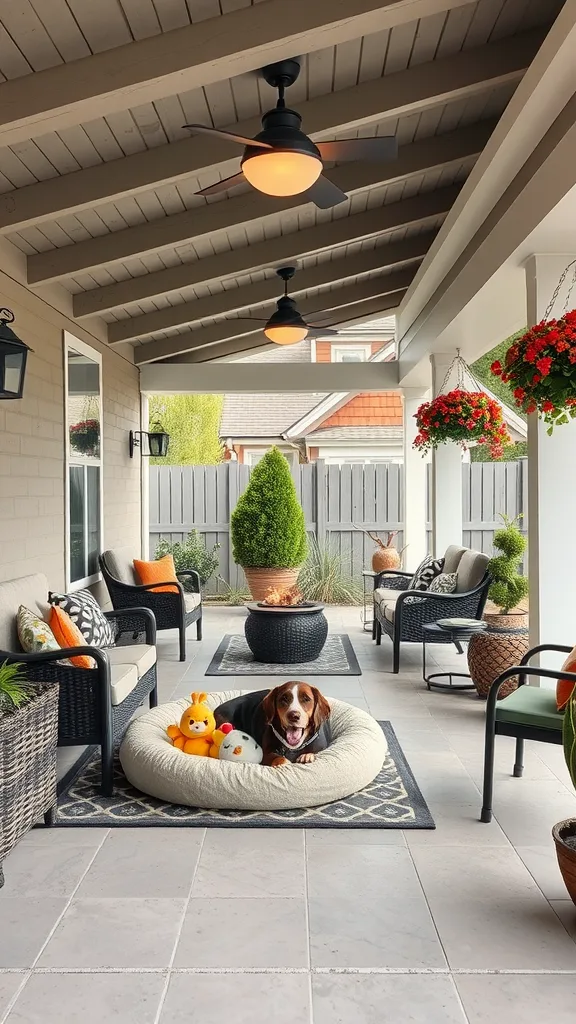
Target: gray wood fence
[[336, 501]]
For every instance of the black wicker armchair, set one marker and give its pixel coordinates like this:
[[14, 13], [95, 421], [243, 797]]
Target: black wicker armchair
[[176, 609], [401, 617]]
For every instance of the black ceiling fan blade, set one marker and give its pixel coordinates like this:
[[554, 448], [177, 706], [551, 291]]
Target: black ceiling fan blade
[[321, 332], [226, 136], [382, 147], [325, 194], [222, 186]]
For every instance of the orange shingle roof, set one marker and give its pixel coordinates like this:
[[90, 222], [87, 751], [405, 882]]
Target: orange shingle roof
[[378, 408]]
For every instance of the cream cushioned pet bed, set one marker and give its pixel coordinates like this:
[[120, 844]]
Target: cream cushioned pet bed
[[152, 765]]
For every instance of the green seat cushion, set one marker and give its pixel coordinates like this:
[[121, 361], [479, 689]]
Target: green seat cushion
[[530, 705]]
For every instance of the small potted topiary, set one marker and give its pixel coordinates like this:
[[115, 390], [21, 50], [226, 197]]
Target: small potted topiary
[[505, 641], [268, 529]]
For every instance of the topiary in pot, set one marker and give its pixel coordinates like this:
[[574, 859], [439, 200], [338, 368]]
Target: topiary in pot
[[267, 527], [564, 833], [505, 641]]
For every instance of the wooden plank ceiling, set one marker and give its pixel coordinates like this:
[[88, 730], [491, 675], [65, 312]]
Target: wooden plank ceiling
[[98, 178]]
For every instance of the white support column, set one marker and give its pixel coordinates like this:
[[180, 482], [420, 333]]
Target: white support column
[[551, 488], [144, 483], [446, 496], [414, 483]]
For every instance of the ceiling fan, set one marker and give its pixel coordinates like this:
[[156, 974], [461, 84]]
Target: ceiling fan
[[286, 326], [282, 160]]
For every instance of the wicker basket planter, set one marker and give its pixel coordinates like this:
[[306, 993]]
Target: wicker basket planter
[[496, 649], [260, 580], [28, 740], [285, 636], [564, 835]]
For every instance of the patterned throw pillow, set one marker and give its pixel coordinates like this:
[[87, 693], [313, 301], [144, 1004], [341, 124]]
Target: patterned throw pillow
[[425, 573], [87, 615], [34, 634], [444, 583]]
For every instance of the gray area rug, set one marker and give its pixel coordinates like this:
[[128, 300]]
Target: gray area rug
[[393, 800], [234, 658]]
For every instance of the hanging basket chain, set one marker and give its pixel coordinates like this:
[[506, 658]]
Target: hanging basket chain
[[557, 290], [463, 371]]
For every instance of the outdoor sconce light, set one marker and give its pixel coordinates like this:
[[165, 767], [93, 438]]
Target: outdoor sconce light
[[13, 354], [158, 441]]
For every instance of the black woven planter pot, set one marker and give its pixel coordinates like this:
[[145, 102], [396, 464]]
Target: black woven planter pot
[[285, 636]]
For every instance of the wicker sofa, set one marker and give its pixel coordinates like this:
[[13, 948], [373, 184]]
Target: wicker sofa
[[95, 705], [402, 619], [175, 610]]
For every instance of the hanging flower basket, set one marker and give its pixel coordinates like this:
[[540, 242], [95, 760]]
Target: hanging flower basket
[[462, 416], [85, 437]]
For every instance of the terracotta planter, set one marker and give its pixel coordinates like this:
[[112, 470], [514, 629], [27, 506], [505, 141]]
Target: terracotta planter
[[385, 558], [260, 580], [564, 835], [498, 648]]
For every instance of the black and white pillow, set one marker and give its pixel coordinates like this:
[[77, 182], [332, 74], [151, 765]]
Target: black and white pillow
[[444, 583], [428, 569], [86, 613]]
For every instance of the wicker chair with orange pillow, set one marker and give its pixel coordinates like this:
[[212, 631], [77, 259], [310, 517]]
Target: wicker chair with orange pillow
[[174, 598]]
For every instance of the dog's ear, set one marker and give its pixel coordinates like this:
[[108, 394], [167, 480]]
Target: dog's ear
[[269, 705], [321, 709]]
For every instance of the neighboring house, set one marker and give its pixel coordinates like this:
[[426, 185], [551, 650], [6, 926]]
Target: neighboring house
[[338, 427]]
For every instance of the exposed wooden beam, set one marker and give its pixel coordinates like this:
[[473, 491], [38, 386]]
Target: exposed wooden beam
[[232, 299], [356, 313], [240, 378], [416, 158], [447, 79], [223, 330], [192, 57], [418, 209]]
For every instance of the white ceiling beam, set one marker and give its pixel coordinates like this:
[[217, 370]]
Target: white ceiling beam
[[247, 378], [191, 57], [223, 330], [418, 209], [166, 232], [433, 83], [356, 313], [233, 299]]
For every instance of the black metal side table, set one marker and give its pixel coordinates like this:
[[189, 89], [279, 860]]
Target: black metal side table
[[431, 632]]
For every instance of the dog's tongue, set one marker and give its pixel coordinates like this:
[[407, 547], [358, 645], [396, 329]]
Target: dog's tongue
[[294, 736]]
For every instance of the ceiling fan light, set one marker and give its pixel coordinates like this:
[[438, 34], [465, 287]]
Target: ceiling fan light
[[282, 173], [285, 335]]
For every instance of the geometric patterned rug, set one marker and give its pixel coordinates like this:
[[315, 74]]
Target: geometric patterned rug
[[392, 800], [234, 658]]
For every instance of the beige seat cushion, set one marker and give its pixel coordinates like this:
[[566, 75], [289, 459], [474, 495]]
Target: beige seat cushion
[[389, 610], [384, 594], [153, 765], [471, 570], [191, 601], [452, 557], [120, 565], [32, 592], [123, 679], [143, 656]]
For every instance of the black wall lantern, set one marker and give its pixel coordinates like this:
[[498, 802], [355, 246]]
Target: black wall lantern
[[13, 354], [157, 441]]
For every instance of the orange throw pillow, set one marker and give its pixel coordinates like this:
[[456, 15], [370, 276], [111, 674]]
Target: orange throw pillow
[[564, 687], [159, 571], [67, 634]]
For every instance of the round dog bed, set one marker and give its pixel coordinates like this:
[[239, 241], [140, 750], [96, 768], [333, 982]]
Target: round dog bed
[[152, 765]]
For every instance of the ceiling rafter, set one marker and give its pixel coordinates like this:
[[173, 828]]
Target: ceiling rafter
[[430, 84], [223, 330], [232, 299], [416, 158]]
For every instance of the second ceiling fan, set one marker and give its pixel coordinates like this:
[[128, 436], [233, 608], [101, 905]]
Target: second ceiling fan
[[287, 326], [282, 161]]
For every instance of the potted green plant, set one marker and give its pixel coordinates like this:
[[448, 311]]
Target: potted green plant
[[505, 641], [564, 833], [28, 738], [268, 529], [191, 554]]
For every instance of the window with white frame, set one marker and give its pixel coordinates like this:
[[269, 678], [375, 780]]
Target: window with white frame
[[252, 456], [83, 373], [351, 353]]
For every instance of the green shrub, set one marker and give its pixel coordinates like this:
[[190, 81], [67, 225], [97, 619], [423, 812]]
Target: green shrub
[[508, 587], [267, 525], [324, 578], [191, 554]]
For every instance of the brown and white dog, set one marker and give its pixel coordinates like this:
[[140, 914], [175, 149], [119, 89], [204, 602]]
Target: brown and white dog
[[290, 722]]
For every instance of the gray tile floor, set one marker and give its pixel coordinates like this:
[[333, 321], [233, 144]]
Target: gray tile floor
[[469, 923]]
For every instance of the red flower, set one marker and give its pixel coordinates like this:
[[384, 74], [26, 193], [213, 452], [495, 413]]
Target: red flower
[[496, 368], [547, 406], [544, 365], [519, 393]]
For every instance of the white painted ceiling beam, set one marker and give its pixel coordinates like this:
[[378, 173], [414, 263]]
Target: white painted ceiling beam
[[416, 158], [223, 330], [433, 83], [247, 378]]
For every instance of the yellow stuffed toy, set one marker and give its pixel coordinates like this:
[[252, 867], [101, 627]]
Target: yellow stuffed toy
[[195, 733]]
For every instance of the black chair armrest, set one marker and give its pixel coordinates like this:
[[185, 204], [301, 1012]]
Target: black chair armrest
[[145, 614], [193, 575], [558, 648], [39, 657], [391, 572]]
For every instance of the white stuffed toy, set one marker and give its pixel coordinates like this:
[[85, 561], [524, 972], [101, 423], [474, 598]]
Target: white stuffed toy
[[238, 746]]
